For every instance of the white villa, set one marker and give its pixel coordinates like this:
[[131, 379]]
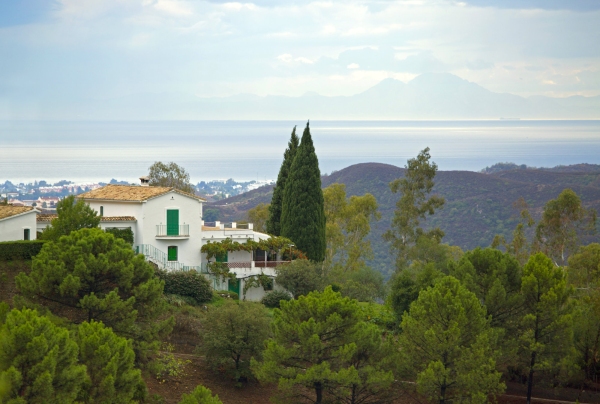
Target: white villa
[[169, 230], [17, 223]]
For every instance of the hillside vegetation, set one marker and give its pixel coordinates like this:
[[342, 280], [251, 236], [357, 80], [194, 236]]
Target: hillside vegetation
[[478, 206]]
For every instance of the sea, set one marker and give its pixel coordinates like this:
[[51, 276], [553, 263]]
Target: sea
[[98, 151]]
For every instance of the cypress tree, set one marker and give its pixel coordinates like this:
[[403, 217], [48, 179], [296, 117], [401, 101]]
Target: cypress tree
[[303, 212], [274, 221]]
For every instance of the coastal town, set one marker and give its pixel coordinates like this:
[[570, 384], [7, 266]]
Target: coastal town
[[44, 196]]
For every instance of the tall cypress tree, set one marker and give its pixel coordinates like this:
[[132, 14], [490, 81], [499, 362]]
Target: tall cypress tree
[[274, 221], [303, 213]]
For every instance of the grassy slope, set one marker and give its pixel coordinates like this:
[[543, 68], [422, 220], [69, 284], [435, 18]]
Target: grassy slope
[[478, 206]]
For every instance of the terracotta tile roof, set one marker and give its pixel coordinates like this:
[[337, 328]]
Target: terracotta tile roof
[[131, 193], [47, 218], [118, 219], [9, 210], [209, 228]]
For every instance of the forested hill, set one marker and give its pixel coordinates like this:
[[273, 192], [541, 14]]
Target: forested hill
[[478, 206]]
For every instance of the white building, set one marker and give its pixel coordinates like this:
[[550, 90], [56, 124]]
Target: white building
[[17, 223], [168, 229]]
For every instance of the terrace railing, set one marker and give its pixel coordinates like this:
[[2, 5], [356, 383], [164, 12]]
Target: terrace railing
[[161, 260], [163, 230]]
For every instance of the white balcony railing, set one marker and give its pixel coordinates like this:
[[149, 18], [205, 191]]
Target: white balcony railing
[[182, 230]]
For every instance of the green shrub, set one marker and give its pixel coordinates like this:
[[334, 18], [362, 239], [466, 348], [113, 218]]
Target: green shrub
[[20, 250], [272, 299], [178, 300], [226, 294], [186, 283], [124, 234]]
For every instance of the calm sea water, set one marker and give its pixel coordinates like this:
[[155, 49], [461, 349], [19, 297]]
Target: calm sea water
[[247, 150]]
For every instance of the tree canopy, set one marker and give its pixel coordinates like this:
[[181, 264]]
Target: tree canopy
[[303, 214], [322, 343], [170, 175], [449, 344], [38, 361], [109, 359], [414, 206], [102, 278], [557, 232], [546, 327], [234, 333], [200, 395], [259, 216], [73, 214], [273, 225]]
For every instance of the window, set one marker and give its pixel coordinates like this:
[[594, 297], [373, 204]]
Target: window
[[26, 234], [172, 253], [101, 210]]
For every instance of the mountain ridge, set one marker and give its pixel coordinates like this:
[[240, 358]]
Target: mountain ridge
[[478, 206], [427, 96]]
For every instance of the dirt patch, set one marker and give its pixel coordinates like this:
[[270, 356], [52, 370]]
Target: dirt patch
[[198, 372]]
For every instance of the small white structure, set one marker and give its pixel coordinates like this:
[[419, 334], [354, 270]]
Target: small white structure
[[17, 223]]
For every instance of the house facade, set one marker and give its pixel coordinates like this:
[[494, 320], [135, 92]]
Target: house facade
[[169, 230], [17, 223]]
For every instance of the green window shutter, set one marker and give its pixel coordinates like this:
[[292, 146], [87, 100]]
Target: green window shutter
[[101, 210], [172, 253], [172, 222], [222, 257], [26, 234]]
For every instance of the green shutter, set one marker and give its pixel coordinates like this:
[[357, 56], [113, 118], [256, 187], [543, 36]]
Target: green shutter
[[26, 234], [172, 253], [222, 257], [172, 222]]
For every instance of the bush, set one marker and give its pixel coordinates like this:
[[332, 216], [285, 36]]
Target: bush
[[20, 250], [272, 299], [123, 234], [226, 294], [201, 395], [186, 283]]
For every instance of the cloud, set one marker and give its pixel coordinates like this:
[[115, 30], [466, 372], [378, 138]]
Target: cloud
[[108, 48], [574, 5]]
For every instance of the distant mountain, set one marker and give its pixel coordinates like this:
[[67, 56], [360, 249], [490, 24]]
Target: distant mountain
[[428, 96], [478, 206]]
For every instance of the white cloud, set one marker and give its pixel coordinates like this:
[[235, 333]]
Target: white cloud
[[112, 47], [173, 7]]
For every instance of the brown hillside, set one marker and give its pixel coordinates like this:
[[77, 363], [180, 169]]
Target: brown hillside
[[478, 206]]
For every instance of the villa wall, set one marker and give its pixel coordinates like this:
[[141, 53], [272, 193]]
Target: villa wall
[[12, 228]]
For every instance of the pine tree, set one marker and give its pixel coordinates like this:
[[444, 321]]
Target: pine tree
[[38, 361], [73, 214], [200, 395], [274, 221], [112, 376], [546, 328], [448, 343], [99, 277], [303, 212]]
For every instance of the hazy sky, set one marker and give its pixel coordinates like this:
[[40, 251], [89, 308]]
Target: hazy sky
[[73, 49]]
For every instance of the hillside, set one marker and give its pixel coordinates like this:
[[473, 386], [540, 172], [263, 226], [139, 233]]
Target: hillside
[[478, 206]]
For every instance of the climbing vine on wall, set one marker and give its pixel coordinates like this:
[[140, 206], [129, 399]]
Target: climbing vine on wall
[[273, 244], [255, 281], [220, 270]]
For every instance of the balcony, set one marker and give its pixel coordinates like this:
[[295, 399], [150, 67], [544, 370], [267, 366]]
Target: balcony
[[172, 232]]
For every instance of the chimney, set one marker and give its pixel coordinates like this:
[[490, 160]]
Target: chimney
[[145, 181]]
